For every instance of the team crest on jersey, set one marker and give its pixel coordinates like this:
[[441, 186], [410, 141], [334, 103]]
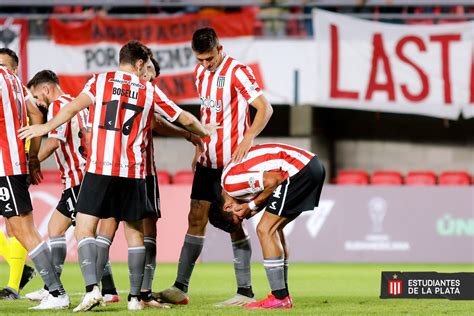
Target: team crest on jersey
[[220, 81], [253, 183]]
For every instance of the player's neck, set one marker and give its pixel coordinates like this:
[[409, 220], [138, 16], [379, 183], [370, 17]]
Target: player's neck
[[57, 93], [128, 68]]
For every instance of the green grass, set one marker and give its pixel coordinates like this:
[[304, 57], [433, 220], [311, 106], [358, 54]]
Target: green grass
[[317, 289]]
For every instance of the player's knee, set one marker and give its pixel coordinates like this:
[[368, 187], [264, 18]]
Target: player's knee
[[264, 231]]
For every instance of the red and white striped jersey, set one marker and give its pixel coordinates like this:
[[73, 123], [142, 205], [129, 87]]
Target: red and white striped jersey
[[150, 167], [244, 180], [225, 95], [120, 117], [13, 116], [70, 160]]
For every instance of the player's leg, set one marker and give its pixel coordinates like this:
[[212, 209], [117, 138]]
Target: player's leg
[[149, 231], [86, 226], [23, 228], [19, 273], [286, 253], [93, 203], [268, 231], [242, 255], [15, 255], [105, 236], [4, 247], [136, 261], [57, 227], [16, 207]]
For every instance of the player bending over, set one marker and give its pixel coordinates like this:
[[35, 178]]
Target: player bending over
[[284, 181]]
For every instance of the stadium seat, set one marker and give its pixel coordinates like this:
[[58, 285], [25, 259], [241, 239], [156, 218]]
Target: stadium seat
[[352, 177], [454, 178], [163, 177], [51, 176], [183, 177], [386, 177], [420, 178]]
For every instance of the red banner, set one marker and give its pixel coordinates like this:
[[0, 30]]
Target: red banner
[[154, 30], [84, 48], [176, 87]]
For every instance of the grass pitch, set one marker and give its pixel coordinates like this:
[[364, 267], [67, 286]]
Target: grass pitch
[[317, 289]]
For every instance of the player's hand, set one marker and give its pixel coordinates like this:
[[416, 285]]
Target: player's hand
[[242, 211], [35, 170], [32, 131], [212, 128], [196, 141], [242, 150]]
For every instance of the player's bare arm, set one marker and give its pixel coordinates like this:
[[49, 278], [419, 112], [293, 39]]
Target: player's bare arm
[[271, 180], [35, 116], [191, 123], [48, 147], [165, 128], [264, 112], [63, 116]]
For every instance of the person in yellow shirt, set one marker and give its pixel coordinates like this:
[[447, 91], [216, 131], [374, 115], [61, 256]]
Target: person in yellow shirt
[[10, 248]]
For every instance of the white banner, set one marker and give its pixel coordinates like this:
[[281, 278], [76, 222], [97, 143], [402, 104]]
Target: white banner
[[374, 66]]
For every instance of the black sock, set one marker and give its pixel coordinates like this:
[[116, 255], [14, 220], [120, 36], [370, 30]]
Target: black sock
[[109, 291], [245, 291], [146, 296], [45, 287], [89, 288], [130, 297], [280, 294], [57, 292], [181, 286]]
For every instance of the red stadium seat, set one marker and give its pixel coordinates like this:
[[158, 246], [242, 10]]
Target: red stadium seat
[[183, 177], [454, 178], [352, 177], [163, 177], [51, 176], [420, 178], [386, 177]]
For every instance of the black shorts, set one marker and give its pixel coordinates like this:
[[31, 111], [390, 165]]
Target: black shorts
[[14, 196], [153, 193], [207, 185], [106, 196], [298, 193], [67, 204]]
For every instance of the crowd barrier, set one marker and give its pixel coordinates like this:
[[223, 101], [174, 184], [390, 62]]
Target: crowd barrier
[[351, 224]]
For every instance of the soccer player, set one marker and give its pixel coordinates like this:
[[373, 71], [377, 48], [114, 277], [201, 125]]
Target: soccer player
[[108, 227], [226, 87], [162, 127], [121, 108], [15, 201], [285, 181], [10, 248], [68, 143]]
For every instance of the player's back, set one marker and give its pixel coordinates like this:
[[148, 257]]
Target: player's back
[[244, 177], [13, 116], [120, 118]]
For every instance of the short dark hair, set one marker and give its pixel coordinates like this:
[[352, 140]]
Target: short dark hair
[[42, 77], [12, 54], [156, 65], [204, 40], [133, 51]]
